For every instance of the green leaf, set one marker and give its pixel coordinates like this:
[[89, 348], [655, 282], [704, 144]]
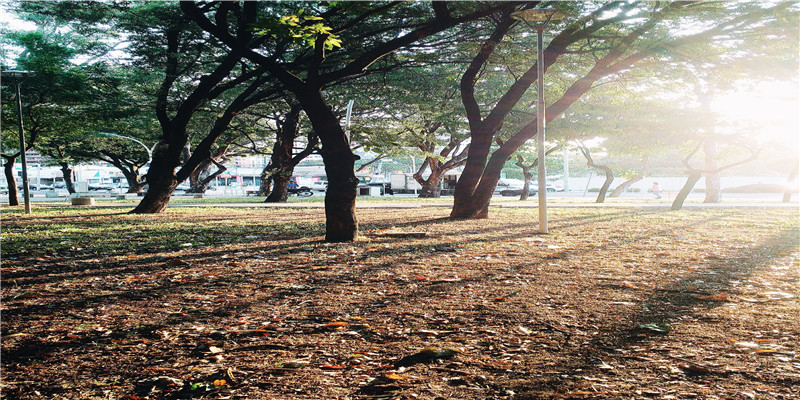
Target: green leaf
[[660, 328]]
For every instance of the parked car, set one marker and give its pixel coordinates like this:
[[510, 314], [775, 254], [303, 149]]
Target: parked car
[[34, 186], [319, 186], [532, 191], [100, 186], [507, 184]]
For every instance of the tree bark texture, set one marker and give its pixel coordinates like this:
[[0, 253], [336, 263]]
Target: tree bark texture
[[265, 182], [161, 178], [431, 187], [66, 174], [340, 198], [282, 162], [280, 187]]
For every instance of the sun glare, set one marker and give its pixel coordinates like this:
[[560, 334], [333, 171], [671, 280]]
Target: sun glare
[[770, 111]]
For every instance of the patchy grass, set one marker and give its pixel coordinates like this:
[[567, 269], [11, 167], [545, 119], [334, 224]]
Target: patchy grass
[[248, 303]]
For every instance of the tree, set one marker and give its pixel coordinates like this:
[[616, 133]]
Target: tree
[[370, 32], [284, 158], [607, 171], [428, 120], [696, 173], [527, 171], [616, 36], [52, 95]]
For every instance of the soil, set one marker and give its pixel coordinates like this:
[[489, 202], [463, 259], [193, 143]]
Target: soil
[[251, 304]]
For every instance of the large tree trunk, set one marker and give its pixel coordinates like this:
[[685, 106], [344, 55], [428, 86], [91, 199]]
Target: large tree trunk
[[477, 205], [340, 198], [280, 187], [713, 184], [694, 176], [470, 199], [66, 174], [161, 178], [134, 184], [281, 160], [266, 180], [431, 187], [8, 169]]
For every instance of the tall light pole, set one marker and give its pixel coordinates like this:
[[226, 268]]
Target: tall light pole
[[540, 16], [16, 79], [147, 149]]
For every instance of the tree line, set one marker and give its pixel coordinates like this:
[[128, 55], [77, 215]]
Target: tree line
[[204, 81]]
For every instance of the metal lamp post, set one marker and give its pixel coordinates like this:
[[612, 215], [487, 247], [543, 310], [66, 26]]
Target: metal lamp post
[[541, 16], [149, 152], [16, 79]]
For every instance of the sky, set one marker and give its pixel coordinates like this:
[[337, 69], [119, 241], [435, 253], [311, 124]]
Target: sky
[[770, 110]]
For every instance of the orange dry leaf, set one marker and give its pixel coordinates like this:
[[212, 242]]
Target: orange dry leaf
[[716, 297], [765, 351], [336, 324], [580, 393], [393, 376]]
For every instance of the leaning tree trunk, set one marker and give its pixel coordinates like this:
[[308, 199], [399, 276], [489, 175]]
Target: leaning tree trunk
[[694, 177], [340, 198], [8, 169], [601, 197], [639, 176], [713, 185], [66, 174], [625, 185]]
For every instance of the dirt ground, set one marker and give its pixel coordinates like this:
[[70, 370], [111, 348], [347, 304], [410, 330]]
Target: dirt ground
[[249, 304]]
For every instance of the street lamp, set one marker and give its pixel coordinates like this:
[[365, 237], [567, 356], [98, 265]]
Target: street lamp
[[16, 78], [149, 151], [541, 16]]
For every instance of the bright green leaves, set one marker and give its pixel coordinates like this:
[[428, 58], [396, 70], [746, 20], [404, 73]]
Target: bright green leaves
[[303, 29]]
